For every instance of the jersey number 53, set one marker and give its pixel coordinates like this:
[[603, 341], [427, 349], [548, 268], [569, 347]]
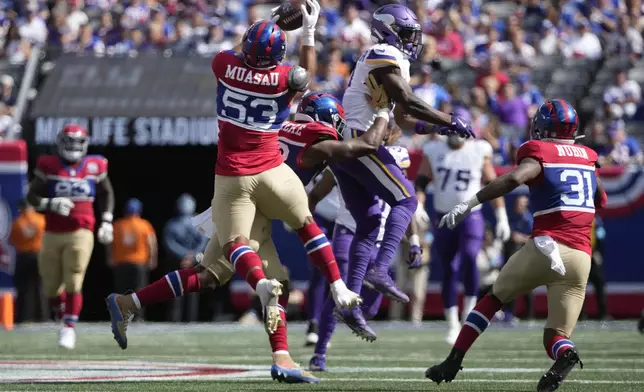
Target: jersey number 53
[[71, 189], [258, 113]]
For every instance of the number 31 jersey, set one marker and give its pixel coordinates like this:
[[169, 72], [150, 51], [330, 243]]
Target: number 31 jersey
[[562, 196], [76, 182], [252, 104], [456, 173]]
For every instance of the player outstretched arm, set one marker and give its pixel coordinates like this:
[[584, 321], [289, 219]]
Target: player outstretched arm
[[321, 189], [308, 56], [367, 143], [528, 169], [334, 150]]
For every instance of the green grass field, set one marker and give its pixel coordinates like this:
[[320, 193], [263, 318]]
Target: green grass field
[[229, 357]]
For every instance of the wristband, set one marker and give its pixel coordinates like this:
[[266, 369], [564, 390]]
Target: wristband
[[308, 38], [383, 113], [44, 204], [108, 217], [414, 240], [420, 126], [473, 202]]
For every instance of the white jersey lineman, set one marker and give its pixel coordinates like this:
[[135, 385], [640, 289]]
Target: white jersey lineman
[[359, 113], [457, 172]]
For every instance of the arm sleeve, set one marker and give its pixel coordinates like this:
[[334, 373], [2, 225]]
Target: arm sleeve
[[102, 169], [40, 169]]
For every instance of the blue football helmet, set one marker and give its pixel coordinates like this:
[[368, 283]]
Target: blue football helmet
[[264, 45], [555, 119], [325, 108]]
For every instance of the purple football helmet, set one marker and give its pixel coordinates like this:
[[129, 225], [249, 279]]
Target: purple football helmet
[[397, 25]]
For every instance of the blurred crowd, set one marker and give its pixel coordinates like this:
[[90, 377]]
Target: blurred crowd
[[498, 41]]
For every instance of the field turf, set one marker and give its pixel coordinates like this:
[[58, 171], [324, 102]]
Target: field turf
[[220, 357]]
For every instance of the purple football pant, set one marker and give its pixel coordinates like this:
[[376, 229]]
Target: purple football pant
[[458, 250], [318, 286], [362, 181], [342, 239]]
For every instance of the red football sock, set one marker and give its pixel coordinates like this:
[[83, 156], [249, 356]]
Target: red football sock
[[279, 339], [247, 264], [319, 250], [73, 306], [175, 284], [558, 345], [477, 321]]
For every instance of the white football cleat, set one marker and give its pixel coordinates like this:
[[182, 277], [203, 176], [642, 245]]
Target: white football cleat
[[311, 339], [452, 335], [269, 292], [343, 297], [67, 338]]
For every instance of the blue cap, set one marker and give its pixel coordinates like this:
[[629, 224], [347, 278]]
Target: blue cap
[[133, 207]]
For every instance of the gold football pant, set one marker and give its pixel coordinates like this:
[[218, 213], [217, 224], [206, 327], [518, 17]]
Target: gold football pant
[[528, 269], [63, 260]]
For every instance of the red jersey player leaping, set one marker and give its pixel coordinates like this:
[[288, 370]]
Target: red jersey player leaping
[[564, 190]]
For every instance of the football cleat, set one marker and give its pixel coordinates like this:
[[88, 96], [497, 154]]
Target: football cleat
[[317, 363], [554, 377], [67, 338], [311, 335], [292, 375], [384, 284], [121, 314], [354, 319], [446, 370], [269, 292]]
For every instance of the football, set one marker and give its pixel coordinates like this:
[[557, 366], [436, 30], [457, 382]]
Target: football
[[290, 14]]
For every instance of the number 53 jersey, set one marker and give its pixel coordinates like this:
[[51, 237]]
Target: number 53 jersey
[[562, 196], [456, 173], [77, 182], [252, 104]]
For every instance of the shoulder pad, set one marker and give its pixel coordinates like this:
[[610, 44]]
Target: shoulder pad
[[298, 79], [530, 149]]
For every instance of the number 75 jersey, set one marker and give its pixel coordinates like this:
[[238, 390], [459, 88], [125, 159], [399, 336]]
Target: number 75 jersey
[[562, 196], [456, 173]]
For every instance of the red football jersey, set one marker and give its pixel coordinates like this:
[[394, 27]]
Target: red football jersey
[[252, 104], [562, 196], [296, 137], [77, 182]]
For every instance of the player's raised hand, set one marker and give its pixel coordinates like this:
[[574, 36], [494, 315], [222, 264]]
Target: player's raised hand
[[61, 205], [461, 127], [455, 216], [310, 19], [377, 96]]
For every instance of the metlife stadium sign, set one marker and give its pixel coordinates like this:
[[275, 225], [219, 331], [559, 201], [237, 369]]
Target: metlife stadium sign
[[141, 101]]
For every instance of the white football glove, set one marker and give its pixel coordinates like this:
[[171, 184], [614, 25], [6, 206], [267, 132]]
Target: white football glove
[[455, 216], [502, 229], [61, 205], [309, 20], [105, 233]]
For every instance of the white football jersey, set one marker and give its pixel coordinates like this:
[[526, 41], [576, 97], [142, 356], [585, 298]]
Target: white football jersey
[[456, 174], [359, 113]]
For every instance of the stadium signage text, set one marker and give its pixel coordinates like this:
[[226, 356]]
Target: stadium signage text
[[140, 132]]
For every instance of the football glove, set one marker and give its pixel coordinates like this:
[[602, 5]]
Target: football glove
[[415, 259], [455, 216], [461, 127], [377, 95], [60, 205], [502, 229], [105, 232]]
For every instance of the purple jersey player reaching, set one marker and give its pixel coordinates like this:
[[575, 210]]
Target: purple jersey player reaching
[[457, 168], [362, 181]]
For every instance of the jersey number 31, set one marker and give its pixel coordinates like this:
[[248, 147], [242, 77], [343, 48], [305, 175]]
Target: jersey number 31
[[581, 192]]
